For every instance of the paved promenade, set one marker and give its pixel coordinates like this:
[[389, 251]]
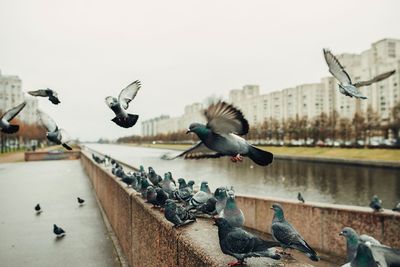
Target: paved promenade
[[27, 239]]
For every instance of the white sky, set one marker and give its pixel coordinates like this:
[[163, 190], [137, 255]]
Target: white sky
[[182, 51]]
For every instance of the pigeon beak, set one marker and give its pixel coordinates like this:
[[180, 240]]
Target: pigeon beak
[[271, 208], [341, 233], [188, 131]]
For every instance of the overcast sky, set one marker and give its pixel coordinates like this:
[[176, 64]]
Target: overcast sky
[[182, 51]]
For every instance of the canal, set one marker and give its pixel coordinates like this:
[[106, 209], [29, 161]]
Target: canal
[[320, 182]]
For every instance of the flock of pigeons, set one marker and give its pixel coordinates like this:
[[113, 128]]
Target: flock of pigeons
[[181, 205], [58, 231]]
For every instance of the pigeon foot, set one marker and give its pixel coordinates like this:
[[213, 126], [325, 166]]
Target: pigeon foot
[[235, 263], [237, 158]]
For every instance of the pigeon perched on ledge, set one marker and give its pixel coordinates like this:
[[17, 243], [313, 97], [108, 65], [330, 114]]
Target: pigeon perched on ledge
[[300, 198], [221, 137], [376, 203], [346, 86], [397, 207], [5, 125], [233, 215], [51, 94], [283, 232], [122, 118], [177, 215], [238, 243]]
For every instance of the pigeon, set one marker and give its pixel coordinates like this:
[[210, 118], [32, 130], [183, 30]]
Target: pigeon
[[346, 86], [300, 197], [161, 197], [221, 196], [352, 241], [38, 209], [208, 207], [198, 199], [154, 178], [167, 184], [80, 201], [283, 232], [376, 203], [384, 255], [54, 134], [58, 231], [363, 258], [151, 196], [221, 137], [51, 94], [239, 243], [176, 214], [190, 184], [128, 180], [184, 193], [5, 119], [397, 207], [231, 213], [144, 184], [122, 118], [205, 188]]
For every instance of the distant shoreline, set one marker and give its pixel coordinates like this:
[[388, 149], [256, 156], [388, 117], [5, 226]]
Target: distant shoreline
[[380, 158]]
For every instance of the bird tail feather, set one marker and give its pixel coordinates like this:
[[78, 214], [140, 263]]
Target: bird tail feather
[[67, 146], [260, 156], [11, 129], [54, 100], [126, 122]]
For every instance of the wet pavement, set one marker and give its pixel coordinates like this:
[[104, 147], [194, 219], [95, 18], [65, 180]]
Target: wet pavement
[[27, 239]]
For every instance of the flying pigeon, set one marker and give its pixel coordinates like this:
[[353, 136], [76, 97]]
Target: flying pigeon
[[352, 241], [300, 197], [238, 243], [376, 203], [176, 214], [54, 134], [5, 125], [80, 201], [221, 137], [38, 209], [397, 207], [232, 214], [346, 86], [283, 232], [51, 94], [119, 105], [58, 231]]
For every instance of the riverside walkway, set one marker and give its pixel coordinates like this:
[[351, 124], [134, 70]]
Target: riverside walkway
[[27, 239]]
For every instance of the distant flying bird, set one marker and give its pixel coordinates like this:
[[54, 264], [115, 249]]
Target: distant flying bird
[[376, 203], [58, 231], [287, 236], [54, 134], [239, 243], [346, 86], [38, 209], [300, 197], [51, 94], [221, 137], [80, 201], [5, 125], [119, 105]]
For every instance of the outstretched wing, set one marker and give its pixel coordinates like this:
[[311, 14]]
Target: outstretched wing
[[128, 94], [41, 92], [48, 122], [198, 151], [335, 68], [377, 78], [10, 114], [224, 118]]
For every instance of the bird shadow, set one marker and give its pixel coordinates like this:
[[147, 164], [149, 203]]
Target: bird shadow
[[58, 238]]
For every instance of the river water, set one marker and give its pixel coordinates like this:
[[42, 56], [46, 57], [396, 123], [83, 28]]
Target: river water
[[320, 182]]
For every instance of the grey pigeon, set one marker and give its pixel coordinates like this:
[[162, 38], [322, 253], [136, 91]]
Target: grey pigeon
[[198, 199], [352, 241], [176, 214], [38, 209], [208, 207], [81, 201], [384, 255], [144, 184], [183, 193], [51, 94], [376, 203], [54, 134], [238, 243], [128, 180], [221, 196], [58, 231], [231, 213], [151, 196], [205, 188], [190, 184], [161, 197], [5, 119], [300, 197], [154, 178], [283, 232], [346, 86], [397, 207], [221, 137], [119, 106], [168, 185], [363, 258]]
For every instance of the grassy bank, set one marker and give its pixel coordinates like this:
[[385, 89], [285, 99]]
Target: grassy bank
[[350, 153]]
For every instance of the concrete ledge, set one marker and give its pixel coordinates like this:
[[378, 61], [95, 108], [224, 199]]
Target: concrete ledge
[[320, 223], [52, 155]]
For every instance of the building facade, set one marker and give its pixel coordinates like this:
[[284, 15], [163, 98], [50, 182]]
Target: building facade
[[310, 100]]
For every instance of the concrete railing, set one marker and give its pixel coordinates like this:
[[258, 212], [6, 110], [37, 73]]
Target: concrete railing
[[52, 155]]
